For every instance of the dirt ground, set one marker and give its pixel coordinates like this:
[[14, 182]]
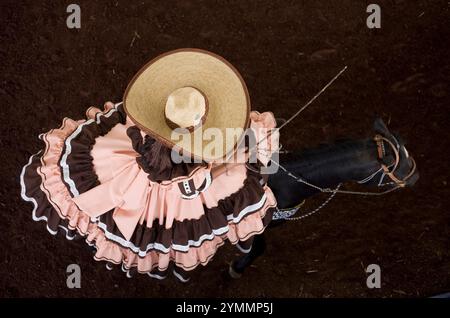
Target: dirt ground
[[286, 51]]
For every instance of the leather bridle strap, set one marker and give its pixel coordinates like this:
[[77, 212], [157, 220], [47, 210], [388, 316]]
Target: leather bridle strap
[[391, 172]]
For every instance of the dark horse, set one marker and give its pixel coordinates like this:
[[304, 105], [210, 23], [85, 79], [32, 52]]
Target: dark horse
[[330, 165]]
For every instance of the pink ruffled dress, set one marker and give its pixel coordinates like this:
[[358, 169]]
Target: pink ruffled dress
[[93, 178]]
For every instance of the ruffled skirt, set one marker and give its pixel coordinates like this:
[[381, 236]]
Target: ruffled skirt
[[92, 179]]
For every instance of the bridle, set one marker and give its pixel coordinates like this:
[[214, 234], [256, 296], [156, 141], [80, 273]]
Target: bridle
[[391, 172]]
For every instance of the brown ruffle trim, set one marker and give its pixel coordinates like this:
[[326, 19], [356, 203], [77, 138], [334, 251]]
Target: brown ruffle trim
[[79, 159], [43, 210]]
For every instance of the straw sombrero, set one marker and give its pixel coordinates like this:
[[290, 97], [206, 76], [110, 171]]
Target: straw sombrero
[[192, 90]]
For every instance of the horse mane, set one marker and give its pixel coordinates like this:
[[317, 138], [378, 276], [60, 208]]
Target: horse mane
[[330, 162], [339, 148]]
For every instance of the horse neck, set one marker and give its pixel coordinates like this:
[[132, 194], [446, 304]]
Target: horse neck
[[325, 167]]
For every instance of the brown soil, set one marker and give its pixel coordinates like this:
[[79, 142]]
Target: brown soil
[[286, 51]]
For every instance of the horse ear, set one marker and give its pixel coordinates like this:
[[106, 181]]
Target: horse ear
[[380, 127]]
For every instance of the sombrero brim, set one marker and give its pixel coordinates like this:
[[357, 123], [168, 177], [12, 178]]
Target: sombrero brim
[[229, 103]]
